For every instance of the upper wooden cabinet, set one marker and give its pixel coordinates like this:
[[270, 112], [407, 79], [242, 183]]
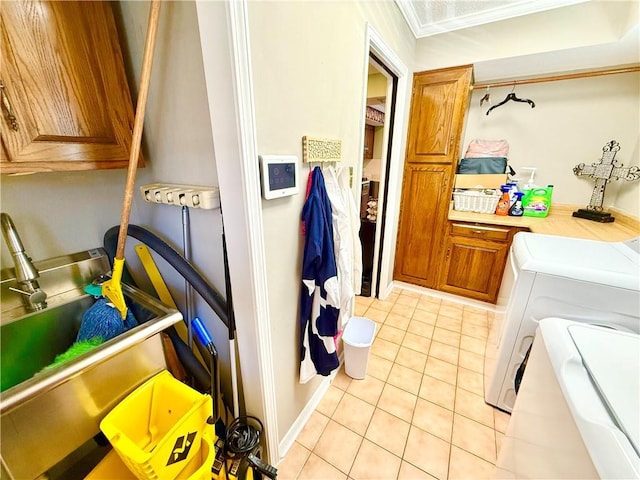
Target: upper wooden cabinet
[[65, 99], [438, 106]]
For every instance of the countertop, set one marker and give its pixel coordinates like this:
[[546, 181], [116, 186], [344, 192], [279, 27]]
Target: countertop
[[560, 222]]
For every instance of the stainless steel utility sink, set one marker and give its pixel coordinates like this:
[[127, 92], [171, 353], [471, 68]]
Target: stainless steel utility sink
[[32, 342], [47, 415]]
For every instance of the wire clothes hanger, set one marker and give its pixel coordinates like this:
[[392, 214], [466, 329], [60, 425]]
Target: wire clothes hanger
[[512, 97], [487, 97]]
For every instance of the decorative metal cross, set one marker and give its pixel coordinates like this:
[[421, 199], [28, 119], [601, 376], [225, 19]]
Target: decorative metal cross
[[608, 168]]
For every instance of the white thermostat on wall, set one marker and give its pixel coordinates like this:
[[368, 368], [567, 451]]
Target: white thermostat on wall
[[279, 175]]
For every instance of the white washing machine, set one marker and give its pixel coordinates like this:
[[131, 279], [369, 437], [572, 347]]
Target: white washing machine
[[577, 414], [583, 280]]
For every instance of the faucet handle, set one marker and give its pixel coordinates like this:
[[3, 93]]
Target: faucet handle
[[36, 300]]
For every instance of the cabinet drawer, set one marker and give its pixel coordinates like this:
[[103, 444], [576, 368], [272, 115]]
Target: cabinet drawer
[[488, 232]]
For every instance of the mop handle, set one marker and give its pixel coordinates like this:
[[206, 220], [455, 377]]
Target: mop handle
[[138, 123]]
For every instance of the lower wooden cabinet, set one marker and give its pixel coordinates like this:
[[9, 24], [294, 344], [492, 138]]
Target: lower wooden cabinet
[[474, 260], [426, 192]]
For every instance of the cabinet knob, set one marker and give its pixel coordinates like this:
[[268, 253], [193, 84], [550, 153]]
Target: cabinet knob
[[6, 104]]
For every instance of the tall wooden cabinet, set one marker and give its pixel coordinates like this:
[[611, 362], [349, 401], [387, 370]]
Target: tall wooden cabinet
[[438, 105], [65, 98], [424, 199]]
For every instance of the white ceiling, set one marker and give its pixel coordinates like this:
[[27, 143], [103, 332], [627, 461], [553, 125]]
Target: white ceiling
[[625, 52], [431, 17], [607, 34]]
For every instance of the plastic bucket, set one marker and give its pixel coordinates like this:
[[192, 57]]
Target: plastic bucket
[[199, 467], [357, 337], [159, 428]]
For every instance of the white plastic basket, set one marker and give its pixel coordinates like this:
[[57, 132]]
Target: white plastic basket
[[479, 201]]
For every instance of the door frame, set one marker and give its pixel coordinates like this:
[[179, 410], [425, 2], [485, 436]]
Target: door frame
[[384, 254]]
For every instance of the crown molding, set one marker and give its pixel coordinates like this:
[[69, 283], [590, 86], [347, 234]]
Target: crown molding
[[516, 9]]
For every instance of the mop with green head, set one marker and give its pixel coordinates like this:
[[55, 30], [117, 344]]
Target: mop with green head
[[75, 350], [107, 319]]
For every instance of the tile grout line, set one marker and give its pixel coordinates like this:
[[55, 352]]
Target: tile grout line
[[422, 372], [455, 398], [402, 459]]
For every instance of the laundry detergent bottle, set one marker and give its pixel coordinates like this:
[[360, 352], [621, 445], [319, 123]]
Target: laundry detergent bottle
[[505, 201], [516, 209]]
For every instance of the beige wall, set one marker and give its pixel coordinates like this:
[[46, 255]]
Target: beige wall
[[60, 213], [376, 85], [571, 122], [309, 68]]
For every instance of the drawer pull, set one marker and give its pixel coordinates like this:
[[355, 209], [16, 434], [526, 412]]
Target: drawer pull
[[484, 232], [478, 228], [6, 104]]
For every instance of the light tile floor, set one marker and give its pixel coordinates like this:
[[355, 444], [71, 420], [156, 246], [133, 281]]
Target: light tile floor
[[419, 413]]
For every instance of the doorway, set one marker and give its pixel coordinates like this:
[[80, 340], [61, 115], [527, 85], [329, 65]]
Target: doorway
[[382, 87]]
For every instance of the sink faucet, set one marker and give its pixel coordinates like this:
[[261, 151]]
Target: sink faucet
[[26, 274]]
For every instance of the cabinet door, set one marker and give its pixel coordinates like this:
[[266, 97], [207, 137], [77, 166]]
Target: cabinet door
[[369, 138], [438, 105], [426, 193], [63, 77], [473, 268]]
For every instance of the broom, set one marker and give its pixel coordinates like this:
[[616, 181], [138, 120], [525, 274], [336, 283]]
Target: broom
[[102, 319]]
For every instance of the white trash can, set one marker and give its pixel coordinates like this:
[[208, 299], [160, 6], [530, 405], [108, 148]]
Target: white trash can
[[357, 338]]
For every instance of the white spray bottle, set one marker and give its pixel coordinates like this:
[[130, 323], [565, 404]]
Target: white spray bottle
[[530, 182]]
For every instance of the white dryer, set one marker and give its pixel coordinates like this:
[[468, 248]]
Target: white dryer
[[551, 276], [577, 414]]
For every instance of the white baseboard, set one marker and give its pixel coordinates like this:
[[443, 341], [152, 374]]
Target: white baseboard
[[444, 296], [388, 292], [303, 418], [305, 414]]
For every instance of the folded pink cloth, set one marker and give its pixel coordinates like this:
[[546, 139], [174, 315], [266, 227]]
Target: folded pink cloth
[[487, 148]]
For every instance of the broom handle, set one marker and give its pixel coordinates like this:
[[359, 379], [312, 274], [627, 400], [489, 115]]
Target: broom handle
[[138, 123]]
